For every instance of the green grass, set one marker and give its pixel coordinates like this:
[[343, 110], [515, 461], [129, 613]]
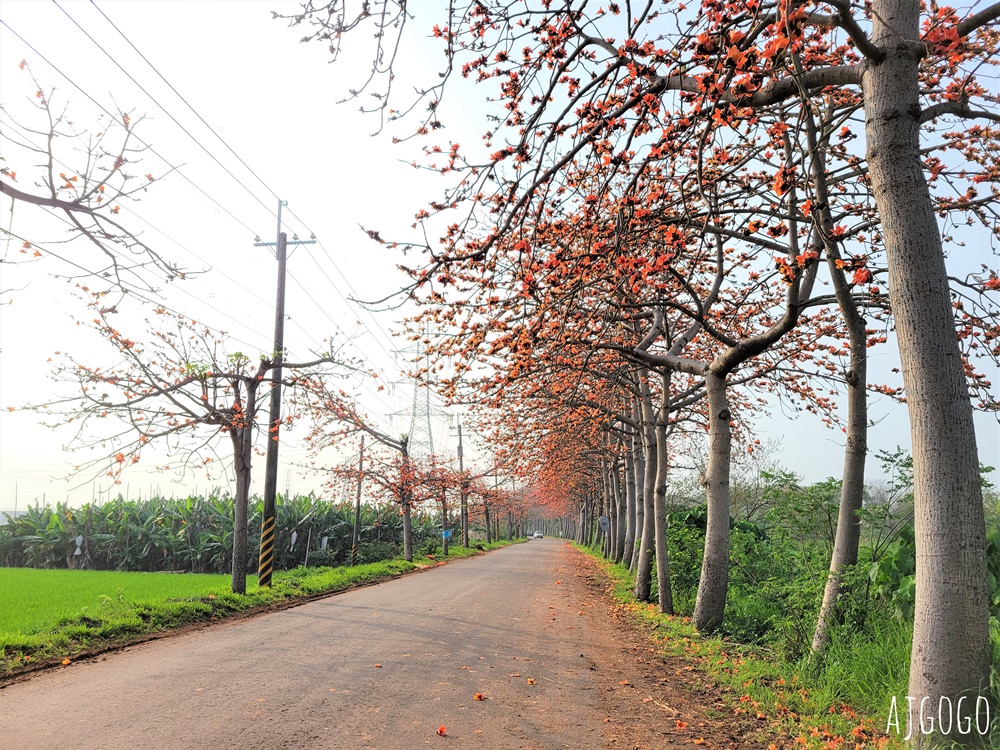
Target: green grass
[[49, 615], [35, 600]]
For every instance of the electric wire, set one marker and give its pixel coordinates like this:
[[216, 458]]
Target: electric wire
[[181, 97], [137, 138], [131, 293], [162, 108], [179, 288], [339, 330], [232, 151], [183, 247], [325, 251]]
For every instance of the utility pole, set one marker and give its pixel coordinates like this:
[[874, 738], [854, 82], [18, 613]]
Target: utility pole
[[463, 488], [266, 562], [357, 505]]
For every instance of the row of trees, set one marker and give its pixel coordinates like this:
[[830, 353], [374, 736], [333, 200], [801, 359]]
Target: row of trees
[[179, 390], [691, 209]]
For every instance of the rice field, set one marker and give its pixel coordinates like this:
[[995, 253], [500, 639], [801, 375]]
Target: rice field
[[34, 601]]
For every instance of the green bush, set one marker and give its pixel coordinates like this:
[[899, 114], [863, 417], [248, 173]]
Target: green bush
[[195, 534], [430, 546], [685, 546]]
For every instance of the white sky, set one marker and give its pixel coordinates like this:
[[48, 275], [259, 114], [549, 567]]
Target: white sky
[[274, 102]]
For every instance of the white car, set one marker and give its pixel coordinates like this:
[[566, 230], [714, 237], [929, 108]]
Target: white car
[[538, 535]]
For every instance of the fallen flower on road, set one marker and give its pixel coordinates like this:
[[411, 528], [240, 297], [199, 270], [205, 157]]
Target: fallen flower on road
[[531, 681], [479, 697], [442, 730]]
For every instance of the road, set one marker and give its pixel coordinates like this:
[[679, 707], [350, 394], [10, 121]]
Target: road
[[378, 667]]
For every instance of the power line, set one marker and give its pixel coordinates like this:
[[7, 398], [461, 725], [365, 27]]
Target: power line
[[230, 149], [188, 250], [346, 300], [214, 158], [243, 162], [193, 110], [132, 292], [353, 291], [323, 310], [140, 140], [176, 242], [162, 108]]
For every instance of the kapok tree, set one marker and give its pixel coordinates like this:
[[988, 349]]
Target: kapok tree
[[177, 391], [47, 170], [580, 83], [336, 416]]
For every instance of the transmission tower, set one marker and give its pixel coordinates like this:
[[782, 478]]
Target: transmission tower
[[421, 412], [421, 443]]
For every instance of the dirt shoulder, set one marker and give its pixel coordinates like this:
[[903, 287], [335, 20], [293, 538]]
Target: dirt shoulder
[[651, 701]]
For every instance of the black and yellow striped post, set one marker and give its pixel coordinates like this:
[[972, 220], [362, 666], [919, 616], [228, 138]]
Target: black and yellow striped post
[[266, 565]]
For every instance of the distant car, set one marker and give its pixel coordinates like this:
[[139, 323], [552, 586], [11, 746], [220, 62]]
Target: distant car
[[538, 535]]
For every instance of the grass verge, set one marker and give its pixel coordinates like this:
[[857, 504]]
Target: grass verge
[[48, 617], [791, 700]]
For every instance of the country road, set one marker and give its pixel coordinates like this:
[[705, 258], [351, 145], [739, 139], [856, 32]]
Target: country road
[[378, 667]]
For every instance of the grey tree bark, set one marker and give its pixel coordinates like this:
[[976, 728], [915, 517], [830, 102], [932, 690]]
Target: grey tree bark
[[628, 545], [241, 465], [664, 594], [241, 436], [950, 654], [714, 581], [621, 506], [639, 462], [644, 564], [848, 536]]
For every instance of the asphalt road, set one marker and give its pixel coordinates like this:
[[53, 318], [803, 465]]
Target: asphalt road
[[379, 667]]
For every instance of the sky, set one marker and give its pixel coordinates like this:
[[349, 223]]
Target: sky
[[274, 103]]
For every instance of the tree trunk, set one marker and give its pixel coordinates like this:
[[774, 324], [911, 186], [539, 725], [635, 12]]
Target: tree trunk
[[619, 512], [665, 596], [848, 533], [444, 526], [407, 532], [710, 605], [605, 534], [644, 566], [489, 529], [848, 538], [628, 544], [640, 494], [951, 645], [241, 466]]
